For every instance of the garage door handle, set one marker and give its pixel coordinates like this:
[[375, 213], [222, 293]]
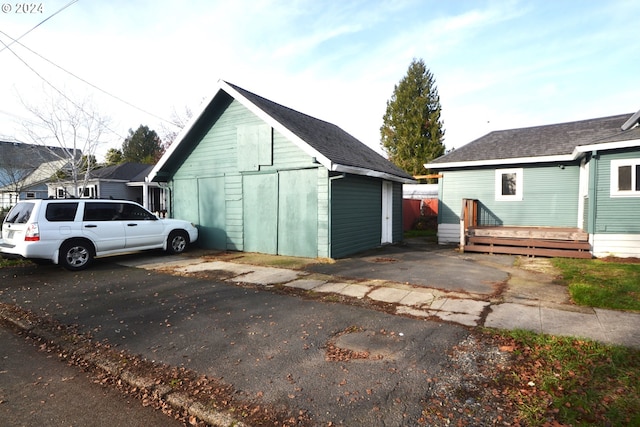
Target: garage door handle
[[131, 225], [90, 226]]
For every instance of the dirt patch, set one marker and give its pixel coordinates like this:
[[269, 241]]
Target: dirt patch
[[619, 260], [265, 260], [538, 265]]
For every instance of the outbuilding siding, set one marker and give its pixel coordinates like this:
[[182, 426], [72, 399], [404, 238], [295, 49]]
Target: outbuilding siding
[[544, 203], [614, 215], [258, 176], [356, 206]]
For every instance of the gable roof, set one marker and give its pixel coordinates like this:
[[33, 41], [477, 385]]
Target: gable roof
[[129, 172], [331, 146], [549, 143], [39, 175]]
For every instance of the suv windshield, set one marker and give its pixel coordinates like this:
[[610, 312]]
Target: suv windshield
[[20, 213]]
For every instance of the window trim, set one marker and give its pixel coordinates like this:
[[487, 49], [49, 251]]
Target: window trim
[[519, 182], [615, 167]]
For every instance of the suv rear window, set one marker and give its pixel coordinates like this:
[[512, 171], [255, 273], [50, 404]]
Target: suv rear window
[[20, 213], [57, 212]]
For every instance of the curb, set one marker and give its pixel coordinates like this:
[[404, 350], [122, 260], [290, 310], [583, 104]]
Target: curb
[[83, 352]]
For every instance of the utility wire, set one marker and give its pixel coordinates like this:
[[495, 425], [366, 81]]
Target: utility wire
[[52, 86], [7, 47], [37, 25]]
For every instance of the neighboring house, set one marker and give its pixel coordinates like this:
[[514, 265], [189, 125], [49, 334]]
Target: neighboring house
[[123, 181], [25, 169], [260, 177], [582, 175]]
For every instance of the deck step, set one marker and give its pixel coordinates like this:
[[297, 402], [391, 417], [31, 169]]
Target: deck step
[[534, 243], [530, 251]]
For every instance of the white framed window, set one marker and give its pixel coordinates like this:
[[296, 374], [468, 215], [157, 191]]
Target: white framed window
[[509, 184], [60, 193], [31, 195], [625, 178]]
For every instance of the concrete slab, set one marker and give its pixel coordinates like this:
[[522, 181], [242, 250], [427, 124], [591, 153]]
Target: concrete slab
[[403, 309], [331, 287], [467, 306], [438, 303], [514, 316], [561, 322], [461, 318], [306, 284], [157, 262], [357, 291], [418, 298], [391, 295], [620, 326], [268, 276]]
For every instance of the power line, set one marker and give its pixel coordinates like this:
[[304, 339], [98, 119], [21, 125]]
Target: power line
[[38, 24], [17, 41], [53, 87]]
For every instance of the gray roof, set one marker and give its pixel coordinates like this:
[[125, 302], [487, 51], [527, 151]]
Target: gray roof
[[328, 139], [542, 141], [30, 156], [130, 172], [334, 148]]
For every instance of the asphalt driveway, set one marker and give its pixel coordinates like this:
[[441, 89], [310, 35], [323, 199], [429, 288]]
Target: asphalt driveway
[[273, 349], [421, 262]]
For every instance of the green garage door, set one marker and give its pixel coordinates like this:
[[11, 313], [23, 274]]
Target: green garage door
[[212, 232], [280, 213], [298, 213], [260, 213]]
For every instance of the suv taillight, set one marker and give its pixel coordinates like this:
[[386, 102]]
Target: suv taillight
[[33, 233]]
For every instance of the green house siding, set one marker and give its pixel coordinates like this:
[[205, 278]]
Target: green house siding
[[613, 215], [356, 214], [549, 197]]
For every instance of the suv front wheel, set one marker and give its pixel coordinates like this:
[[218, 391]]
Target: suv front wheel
[[177, 242], [75, 255]]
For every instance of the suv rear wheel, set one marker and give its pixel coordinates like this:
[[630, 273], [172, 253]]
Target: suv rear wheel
[[75, 255], [177, 242]]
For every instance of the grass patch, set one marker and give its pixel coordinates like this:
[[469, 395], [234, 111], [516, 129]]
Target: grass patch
[[572, 381], [602, 284], [267, 260], [4, 262]]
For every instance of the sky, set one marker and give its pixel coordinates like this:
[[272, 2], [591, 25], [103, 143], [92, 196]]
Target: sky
[[497, 64]]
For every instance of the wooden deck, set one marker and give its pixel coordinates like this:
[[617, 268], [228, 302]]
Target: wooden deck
[[530, 241]]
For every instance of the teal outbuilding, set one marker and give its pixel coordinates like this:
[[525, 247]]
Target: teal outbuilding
[[256, 176], [579, 178]]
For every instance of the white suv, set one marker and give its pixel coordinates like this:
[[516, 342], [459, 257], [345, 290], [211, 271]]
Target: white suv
[[71, 232]]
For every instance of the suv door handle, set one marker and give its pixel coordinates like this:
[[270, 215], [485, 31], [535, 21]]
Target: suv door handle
[[132, 225], [90, 226]]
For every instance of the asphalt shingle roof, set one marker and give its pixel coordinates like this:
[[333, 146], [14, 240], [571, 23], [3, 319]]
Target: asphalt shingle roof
[[131, 172], [326, 138], [542, 141]]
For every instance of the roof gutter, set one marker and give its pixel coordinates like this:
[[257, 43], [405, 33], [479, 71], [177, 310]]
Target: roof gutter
[[368, 172], [497, 162], [577, 153]]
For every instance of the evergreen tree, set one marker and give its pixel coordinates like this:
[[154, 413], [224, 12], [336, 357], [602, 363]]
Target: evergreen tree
[[412, 132], [142, 146], [113, 157]]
